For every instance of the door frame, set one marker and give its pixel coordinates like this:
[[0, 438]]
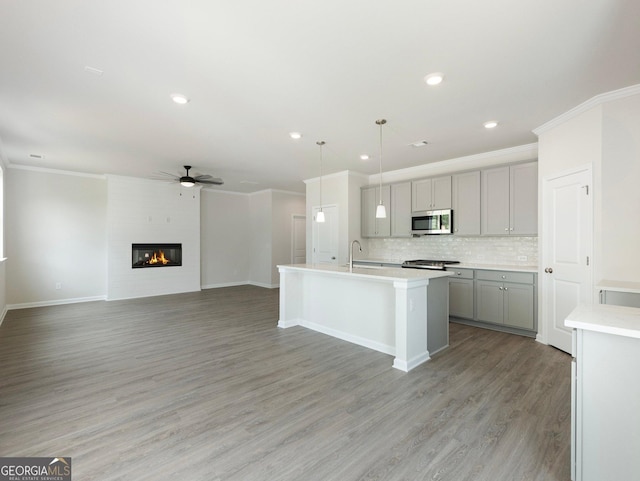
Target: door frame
[[294, 218], [544, 321]]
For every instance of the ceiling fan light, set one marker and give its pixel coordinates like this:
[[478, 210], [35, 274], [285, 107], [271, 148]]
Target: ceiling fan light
[[187, 181]]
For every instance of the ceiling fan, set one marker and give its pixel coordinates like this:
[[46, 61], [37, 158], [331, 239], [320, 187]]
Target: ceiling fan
[[189, 181]]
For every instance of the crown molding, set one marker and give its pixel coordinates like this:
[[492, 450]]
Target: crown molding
[[588, 105], [459, 164], [46, 170], [342, 173]]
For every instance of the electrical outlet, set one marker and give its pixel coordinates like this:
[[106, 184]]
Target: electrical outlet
[[58, 285], [522, 258]]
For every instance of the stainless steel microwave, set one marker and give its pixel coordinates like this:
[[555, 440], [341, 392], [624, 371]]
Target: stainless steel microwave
[[432, 222]]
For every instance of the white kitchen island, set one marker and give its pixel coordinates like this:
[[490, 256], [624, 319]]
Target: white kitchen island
[[401, 312]]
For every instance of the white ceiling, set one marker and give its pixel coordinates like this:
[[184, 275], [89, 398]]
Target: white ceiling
[[256, 70]]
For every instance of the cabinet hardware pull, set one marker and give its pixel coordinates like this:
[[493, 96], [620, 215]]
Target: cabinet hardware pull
[[549, 270]]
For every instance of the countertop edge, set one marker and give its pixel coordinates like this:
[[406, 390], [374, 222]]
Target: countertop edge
[[608, 319]]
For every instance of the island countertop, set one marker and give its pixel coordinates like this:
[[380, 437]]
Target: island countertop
[[618, 320], [386, 273]]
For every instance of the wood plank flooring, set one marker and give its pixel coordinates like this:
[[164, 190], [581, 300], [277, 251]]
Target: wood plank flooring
[[204, 386]]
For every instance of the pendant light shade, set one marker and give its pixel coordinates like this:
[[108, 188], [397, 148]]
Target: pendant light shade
[[320, 214], [381, 211]]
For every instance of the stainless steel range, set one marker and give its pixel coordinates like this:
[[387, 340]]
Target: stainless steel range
[[428, 264]]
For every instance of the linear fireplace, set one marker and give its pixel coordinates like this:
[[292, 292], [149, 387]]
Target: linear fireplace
[[156, 255]]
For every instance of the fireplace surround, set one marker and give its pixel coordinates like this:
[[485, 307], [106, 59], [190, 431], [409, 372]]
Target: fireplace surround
[[155, 255]]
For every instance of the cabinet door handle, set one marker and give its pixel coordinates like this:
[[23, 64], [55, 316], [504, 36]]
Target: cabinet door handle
[[506, 288], [504, 277], [506, 228], [458, 273], [549, 270], [501, 288]]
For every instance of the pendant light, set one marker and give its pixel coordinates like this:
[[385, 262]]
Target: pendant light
[[381, 212], [320, 214]]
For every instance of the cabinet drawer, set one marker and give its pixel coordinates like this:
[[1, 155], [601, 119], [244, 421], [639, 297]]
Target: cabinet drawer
[[461, 273], [506, 276]]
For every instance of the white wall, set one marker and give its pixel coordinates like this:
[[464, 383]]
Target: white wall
[[226, 242], [620, 184], [144, 211], [260, 236], [55, 232]]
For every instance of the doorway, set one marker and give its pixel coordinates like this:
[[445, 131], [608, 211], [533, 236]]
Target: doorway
[[324, 247], [567, 245], [298, 239]]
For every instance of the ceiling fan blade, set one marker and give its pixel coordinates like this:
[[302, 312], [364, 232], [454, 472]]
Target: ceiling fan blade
[[202, 177], [173, 176], [211, 181]]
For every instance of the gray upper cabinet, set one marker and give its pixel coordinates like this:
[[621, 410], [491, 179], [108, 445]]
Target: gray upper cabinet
[[510, 200], [523, 197], [465, 202], [401, 210], [371, 226], [431, 194]]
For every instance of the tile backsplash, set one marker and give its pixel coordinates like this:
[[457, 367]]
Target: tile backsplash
[[473, 250]]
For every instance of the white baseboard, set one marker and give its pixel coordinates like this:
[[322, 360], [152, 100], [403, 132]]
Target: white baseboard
[[224, 284], [267, 286], [4, 313], [407, 366], [360, 341], [57, 302], [289, 323], [240, 283]]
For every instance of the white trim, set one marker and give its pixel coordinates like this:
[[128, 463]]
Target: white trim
[[265, 285], [4, 313], [588, 105], [57, 302], [360, 341], [343, 173], [278, 191], [47, 170], [224, 284], [512, 154], [289, 323], [407, 366]]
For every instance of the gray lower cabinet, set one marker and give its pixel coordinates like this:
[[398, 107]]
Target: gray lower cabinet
[[507, 298], [461, 296], [503, 300]]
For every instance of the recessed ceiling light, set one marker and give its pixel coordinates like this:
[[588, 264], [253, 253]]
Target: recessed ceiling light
[[36, 156], [295, 135], [93, 70], [419, 143], [364, 157], [491, 124], [179, 99], [434, 78]]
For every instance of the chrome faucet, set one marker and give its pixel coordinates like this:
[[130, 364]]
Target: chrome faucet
[[355, 241]]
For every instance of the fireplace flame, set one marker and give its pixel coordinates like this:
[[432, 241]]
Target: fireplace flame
[[158, 258]]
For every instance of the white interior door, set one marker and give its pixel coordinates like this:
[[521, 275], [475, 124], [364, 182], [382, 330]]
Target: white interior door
[[325, 236], [299, 239], [566, 282]]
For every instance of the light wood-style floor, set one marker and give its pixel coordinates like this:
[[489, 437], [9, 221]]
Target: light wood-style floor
[[205, 387]]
